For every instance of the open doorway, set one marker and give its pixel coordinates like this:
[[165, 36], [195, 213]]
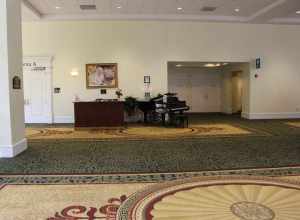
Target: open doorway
[[237, 92], [211, 87]]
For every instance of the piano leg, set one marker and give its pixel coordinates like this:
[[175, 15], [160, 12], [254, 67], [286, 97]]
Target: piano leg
[[163, 119], [145, 117]]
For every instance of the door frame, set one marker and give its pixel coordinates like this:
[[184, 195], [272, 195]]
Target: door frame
[[30, 62], [240, 73]]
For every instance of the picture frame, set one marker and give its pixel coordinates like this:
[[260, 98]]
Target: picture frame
[[101, 75], [147, 79]]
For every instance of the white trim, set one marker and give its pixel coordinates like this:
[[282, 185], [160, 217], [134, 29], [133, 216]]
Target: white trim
[[245, 115], [166, 17], [283, 115], [37, 14], [63, 119], [13, 150], [266, 9], [285, 21]]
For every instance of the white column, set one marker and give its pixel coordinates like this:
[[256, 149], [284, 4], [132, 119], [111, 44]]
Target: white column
[[12, 129]]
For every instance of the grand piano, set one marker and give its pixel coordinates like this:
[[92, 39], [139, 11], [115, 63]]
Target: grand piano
[[164, 108]]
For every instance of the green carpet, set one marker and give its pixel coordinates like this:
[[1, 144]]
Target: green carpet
[[280, 148]]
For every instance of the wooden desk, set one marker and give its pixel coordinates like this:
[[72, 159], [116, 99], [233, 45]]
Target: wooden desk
[[99, 114]]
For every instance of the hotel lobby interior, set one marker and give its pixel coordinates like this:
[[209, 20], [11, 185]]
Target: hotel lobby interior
[[149, 109]]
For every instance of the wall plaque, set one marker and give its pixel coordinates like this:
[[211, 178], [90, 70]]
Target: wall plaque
[[17, 82]]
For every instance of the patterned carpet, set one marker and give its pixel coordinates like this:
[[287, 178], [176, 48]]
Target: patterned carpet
[[268, 143], [294, 124], [222, 198], [217, 169], [185, 198], [134, 132]]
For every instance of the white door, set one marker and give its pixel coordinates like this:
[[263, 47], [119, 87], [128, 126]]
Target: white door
[[37, 91]]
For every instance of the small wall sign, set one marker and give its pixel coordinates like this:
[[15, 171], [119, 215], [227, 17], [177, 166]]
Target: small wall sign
[[17, 82], [258, 63], [57, 90]]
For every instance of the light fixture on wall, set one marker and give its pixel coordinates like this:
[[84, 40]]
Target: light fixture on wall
[[209, 65], [74, 72]]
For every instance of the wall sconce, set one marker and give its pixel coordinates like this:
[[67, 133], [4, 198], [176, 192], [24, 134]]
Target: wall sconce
[[74, 73]]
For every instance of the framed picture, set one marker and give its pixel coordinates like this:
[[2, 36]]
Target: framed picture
[[101, 75], [147, 79]]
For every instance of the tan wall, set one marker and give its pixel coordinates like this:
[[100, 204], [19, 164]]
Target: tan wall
[[143, 48]]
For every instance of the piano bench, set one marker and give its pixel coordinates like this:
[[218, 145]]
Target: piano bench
[[181, 121]]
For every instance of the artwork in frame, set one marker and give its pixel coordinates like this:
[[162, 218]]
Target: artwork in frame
[[101, 75]]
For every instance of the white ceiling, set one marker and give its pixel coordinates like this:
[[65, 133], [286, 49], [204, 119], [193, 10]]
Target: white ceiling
[[250, 11]]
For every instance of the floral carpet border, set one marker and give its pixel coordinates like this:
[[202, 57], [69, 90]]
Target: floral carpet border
[[140, 178]]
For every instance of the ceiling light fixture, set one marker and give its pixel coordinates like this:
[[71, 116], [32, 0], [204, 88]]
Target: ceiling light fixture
[[298, 12], [57, 7], [179, 65], [210, 65], [179, 8], [237, 10], [119, 7]]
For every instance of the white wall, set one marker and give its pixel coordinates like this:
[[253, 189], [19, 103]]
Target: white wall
[[145, 47], [12, 129], [199, 87]]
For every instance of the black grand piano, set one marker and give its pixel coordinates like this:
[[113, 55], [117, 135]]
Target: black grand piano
[[166, 108]]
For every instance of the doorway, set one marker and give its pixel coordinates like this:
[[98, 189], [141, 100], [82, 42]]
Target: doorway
[[211, 87], [237, 92], [37, 78]]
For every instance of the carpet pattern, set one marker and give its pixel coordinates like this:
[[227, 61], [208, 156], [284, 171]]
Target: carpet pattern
[[272, 143], [223, 198], [294, 124], [55, 179], [134, 132], [94, 200]]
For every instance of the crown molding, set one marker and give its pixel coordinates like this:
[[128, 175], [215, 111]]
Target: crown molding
[[263, 16], [151, 17], [37, 14]]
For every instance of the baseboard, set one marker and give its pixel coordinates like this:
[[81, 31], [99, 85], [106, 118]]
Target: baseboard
[[13, 150], [283, 115], [63, 119], [245, 115]]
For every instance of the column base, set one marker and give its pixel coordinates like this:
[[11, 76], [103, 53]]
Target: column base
[[13, 150]]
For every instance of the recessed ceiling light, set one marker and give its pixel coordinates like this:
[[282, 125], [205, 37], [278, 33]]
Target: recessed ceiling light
[[57, 7], [179, 65], [237, 10], [179, 8], [119, 6], [298, 12]]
